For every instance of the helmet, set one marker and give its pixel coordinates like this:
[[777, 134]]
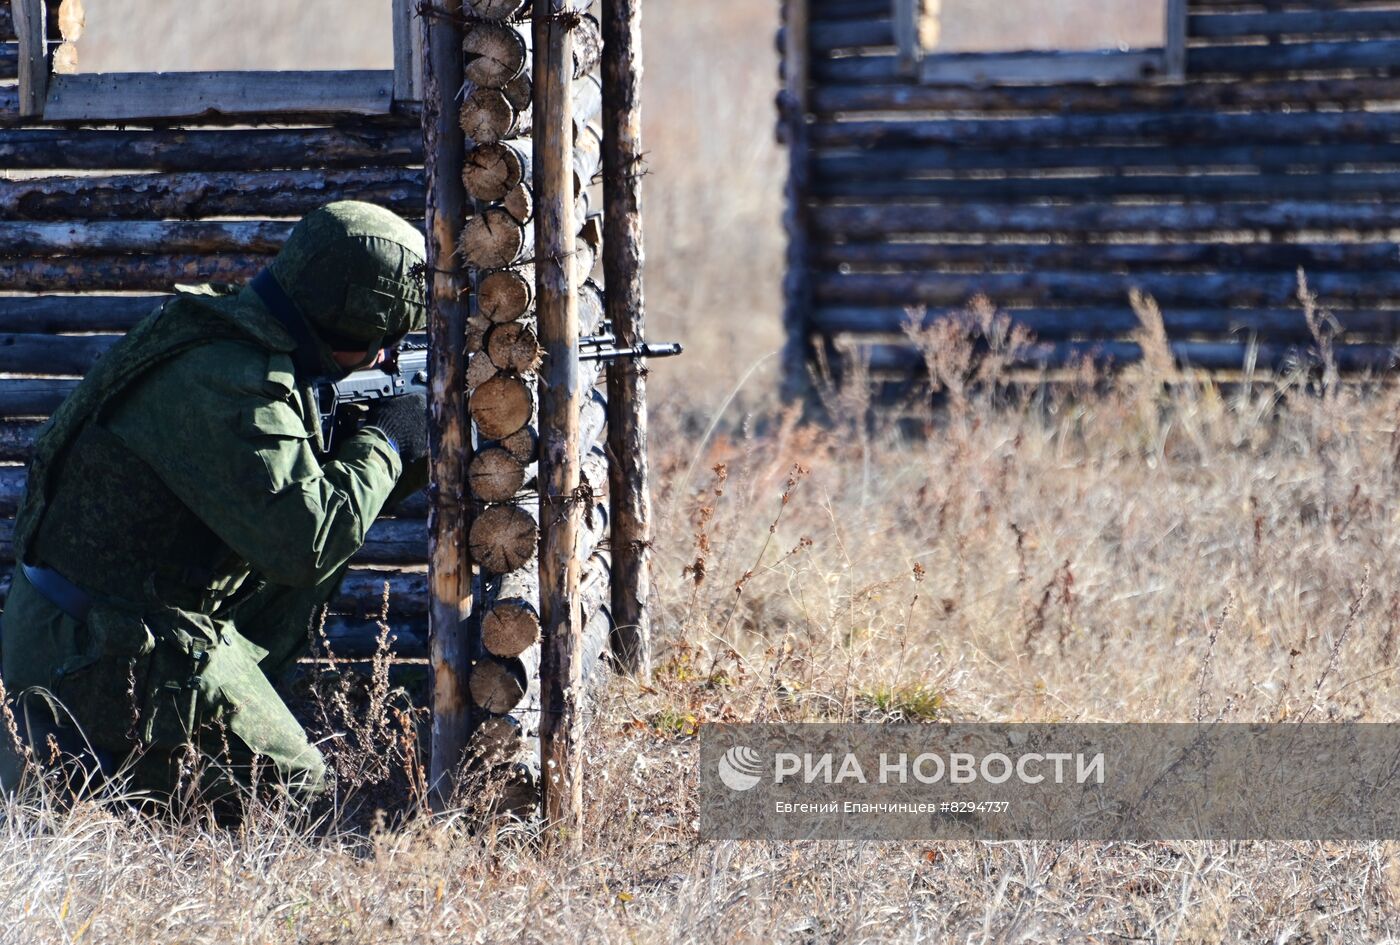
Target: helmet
[[355, 274]]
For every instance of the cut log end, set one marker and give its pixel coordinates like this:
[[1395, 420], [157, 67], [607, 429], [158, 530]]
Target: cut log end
[[495, 476], [494, 9], [479, 370], [505, 295], [493, 54], [503, 538], [487, 116], [493, 240], [501, 406], [492, 170], [520, 203], [510, 628], [497, 685], [523, 444], [513, 347]]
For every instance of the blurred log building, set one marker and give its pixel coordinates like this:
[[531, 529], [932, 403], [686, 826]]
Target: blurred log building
[[1236, 143]]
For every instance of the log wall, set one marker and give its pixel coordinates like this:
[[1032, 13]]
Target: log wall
[[532, 174], [1279, 150], [97, 222]]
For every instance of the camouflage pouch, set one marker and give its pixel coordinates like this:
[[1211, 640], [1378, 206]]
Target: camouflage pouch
[[171, 711], [102, 687]]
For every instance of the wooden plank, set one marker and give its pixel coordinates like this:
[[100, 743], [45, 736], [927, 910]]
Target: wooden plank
[[1060, 287], [9, 61], [1293, 57], [33, 70], [1314, 23], [623, 256], [865, 221], [1301, 186], [849, 9], [828, 98], [826, 36], [907, 17], [194, 195], [246, 149], [793, 109], [134, 96], [1200, 61], [32, 398], [1174, 58], [54, 313], [125, 273], [1055, 324], [358, 639], [64, 355], [7, 24], [561, 656], [1135, 128], [1022, 67], [141, 236], [1127, 257], [917, 161], [453, 646], [408, 52], [17, 439]]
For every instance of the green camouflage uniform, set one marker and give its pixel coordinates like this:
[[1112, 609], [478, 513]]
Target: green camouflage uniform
[[183, 486]]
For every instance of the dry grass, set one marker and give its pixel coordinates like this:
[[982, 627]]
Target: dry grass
[[1153, 552], [1148, 553]]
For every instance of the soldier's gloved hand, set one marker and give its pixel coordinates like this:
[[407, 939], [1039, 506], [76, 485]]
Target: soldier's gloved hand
[[404, 420]]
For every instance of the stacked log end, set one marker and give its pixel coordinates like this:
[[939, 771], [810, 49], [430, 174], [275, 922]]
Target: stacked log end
[[497, 113]]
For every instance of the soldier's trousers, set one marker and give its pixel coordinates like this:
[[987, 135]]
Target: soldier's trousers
[[79, 687]]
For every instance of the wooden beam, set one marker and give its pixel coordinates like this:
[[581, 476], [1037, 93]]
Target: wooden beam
[[133, 96], [140, 236], [560, 513], [243, 149], [907, 17], [408, 52], [623, 259], [139, 273], [31, 28], [793, 110], [193, 195], [452, 650], [976, 68], [1175, 58]]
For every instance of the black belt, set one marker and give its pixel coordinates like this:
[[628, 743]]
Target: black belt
[[59, 591]]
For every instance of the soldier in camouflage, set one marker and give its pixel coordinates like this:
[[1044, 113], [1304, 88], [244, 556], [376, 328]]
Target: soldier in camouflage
[[182, 522]]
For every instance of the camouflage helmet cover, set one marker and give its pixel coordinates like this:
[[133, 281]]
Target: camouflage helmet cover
[[355, 272]]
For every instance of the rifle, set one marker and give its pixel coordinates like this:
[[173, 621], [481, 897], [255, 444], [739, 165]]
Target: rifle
[[404, 370], [344, 403]]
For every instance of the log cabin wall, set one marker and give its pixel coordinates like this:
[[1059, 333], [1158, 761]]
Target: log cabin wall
[[513, 130], [1279, 149], [98, 219]]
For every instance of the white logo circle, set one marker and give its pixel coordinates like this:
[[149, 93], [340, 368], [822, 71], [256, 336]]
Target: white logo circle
[[739, 768]]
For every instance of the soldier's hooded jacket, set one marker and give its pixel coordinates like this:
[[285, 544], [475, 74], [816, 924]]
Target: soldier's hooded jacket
[[187, 468]]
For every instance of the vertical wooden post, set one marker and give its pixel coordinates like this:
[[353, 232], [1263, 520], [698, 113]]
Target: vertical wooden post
[[560, 400], [623, 258], [908, 15], [450, 572], [408, 52], [1176, 39], [30, 19], [796, 283]]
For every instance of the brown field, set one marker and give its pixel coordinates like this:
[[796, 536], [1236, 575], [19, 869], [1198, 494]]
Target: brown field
[[1129, 555]]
